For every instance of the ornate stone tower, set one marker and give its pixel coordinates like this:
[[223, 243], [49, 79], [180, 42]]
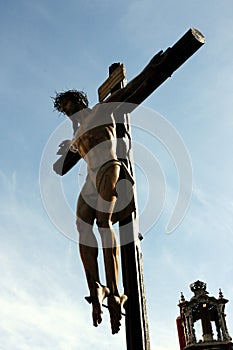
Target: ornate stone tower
[[203, 311]]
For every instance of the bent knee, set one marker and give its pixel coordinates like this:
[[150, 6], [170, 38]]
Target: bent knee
[[103, 223], [83, 225]]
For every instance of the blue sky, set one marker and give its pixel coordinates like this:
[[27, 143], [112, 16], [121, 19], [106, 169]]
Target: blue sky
[[50, 46]]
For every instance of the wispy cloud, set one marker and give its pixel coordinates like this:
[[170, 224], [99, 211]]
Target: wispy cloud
[[42, 284]]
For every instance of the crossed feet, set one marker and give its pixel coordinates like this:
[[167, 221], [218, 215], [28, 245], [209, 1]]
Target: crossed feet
[[115, 305]]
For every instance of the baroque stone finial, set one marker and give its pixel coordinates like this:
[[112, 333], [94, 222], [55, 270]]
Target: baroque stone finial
[[198, 288], [220, 294], [182, 298]]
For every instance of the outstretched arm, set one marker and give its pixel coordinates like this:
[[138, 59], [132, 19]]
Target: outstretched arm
[[139, 88], [67, 160]]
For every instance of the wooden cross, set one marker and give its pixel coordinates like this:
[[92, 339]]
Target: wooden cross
[[161, 67]]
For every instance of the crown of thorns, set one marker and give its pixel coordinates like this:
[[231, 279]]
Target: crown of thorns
[[75, 96]]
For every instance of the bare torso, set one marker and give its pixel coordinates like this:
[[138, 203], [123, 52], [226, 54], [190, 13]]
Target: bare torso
[[96, 138]]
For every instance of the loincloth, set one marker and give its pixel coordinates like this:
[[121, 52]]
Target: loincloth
[[125, 203]]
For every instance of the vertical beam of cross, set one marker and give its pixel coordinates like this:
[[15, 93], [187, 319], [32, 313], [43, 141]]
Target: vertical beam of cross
[[137, 332]]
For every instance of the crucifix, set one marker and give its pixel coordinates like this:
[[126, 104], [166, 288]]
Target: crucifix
[[102, 138]]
